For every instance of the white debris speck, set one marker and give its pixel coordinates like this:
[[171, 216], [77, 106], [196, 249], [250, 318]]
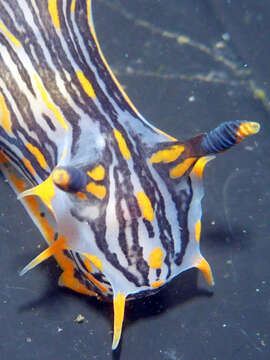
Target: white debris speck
[[79, 319], [220, 45], [249, 148], [226, 36]]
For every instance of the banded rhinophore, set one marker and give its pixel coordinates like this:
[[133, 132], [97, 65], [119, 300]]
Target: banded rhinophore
[[117, 200]]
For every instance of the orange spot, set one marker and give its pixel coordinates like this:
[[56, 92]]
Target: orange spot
[[81, 195], [155, 259], [95, 260], [9, 35], [124, 150], [73, 5], [98, 173], [29, 166], [37, 154], [53, 10], [167, 155], [157, 284], [181, 168], [86, 85], [5, 115], [19, 184], [3, 158], [98, 191], [145, 206], [198, 230]]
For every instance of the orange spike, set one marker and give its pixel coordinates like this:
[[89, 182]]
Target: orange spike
[[119, 309], [200, 164], [57, 246], [206, 270], [45, 191]]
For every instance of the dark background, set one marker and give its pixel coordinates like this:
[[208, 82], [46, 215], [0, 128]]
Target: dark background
[[221, 74]]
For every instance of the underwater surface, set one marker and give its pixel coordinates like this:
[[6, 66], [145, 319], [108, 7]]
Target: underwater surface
[[188, 66]]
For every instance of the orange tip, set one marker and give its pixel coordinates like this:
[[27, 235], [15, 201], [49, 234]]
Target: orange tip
[[119, 309], [206, 270]]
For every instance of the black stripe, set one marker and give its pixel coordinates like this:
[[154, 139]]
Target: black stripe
[[99, 229], [183, 198], [16, 162]]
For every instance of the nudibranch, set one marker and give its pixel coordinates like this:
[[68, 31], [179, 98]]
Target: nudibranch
[[117, 200]]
